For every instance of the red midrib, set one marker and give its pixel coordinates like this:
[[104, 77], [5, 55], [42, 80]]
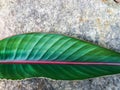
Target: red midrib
[[57, 62]]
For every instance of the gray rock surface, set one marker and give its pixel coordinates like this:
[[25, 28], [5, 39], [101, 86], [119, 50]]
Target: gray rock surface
[[97, 21]]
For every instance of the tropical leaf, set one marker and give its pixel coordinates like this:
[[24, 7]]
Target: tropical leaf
[[54, 56]]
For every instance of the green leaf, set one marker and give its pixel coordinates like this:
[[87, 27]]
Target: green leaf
[[54, 56]]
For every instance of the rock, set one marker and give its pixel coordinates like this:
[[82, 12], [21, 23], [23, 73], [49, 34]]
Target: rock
[[117, 1], [97, 21]]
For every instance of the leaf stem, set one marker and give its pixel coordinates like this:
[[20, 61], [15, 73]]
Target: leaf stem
[[58, 62]]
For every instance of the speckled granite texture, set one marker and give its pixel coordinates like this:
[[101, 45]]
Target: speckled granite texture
[[97, 21]]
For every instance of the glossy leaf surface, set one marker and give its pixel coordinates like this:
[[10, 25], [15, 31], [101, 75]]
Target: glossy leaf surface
[[43, 55]]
